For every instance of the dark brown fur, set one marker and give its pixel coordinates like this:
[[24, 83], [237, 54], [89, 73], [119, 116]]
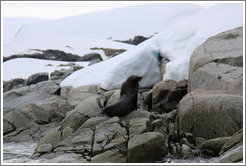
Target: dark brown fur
[[128, 98]]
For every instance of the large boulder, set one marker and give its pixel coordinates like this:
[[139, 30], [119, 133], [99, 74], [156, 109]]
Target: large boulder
[[210, 114], [147, 147], [214, 106], [217, 64]]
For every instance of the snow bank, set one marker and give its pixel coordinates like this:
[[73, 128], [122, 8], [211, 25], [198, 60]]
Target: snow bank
[[178, 42], [119, 68], [12, 25], [24, 67], [175, 42], [77, 34]]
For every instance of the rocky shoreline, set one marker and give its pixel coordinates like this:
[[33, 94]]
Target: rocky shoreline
[[198, 117]]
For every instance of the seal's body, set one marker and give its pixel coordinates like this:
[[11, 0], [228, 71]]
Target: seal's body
[[128, 98]]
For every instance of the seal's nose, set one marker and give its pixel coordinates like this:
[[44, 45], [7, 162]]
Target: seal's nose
[[139, 79]]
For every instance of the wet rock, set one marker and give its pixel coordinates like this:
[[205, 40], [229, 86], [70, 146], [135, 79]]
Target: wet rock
[[185, 151], [36, 78], [153, 141]]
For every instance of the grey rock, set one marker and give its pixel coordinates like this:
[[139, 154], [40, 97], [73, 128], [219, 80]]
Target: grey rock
[[25, 114], [77, 95], [36, 78], [44, 94], [217, 63], [64, 91], [232, 156], [53, 137], [67, 131], [81, 142], [7, 127], [88, 108], [110, 156], [68, 158], [61, 74], [94, 61], [139, 126], [137, 114], [210, 114], [110, 52], [164, 61], [135, 41], [167, 94], [185, 151], [114, 97], [48, 55], [237, 138], [44, 148], [109, 134], [30, 133], [13, 84], [147, 147], [91, 56], [93, 121], [213, 145]]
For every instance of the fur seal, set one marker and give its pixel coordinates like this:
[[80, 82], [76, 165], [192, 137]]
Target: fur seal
[[128, 98]]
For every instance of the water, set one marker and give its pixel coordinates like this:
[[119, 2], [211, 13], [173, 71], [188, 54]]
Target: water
[[194, 159], [18, 152]]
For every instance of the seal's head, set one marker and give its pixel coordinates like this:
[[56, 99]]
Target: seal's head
[[131, 85], [134, 79]]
